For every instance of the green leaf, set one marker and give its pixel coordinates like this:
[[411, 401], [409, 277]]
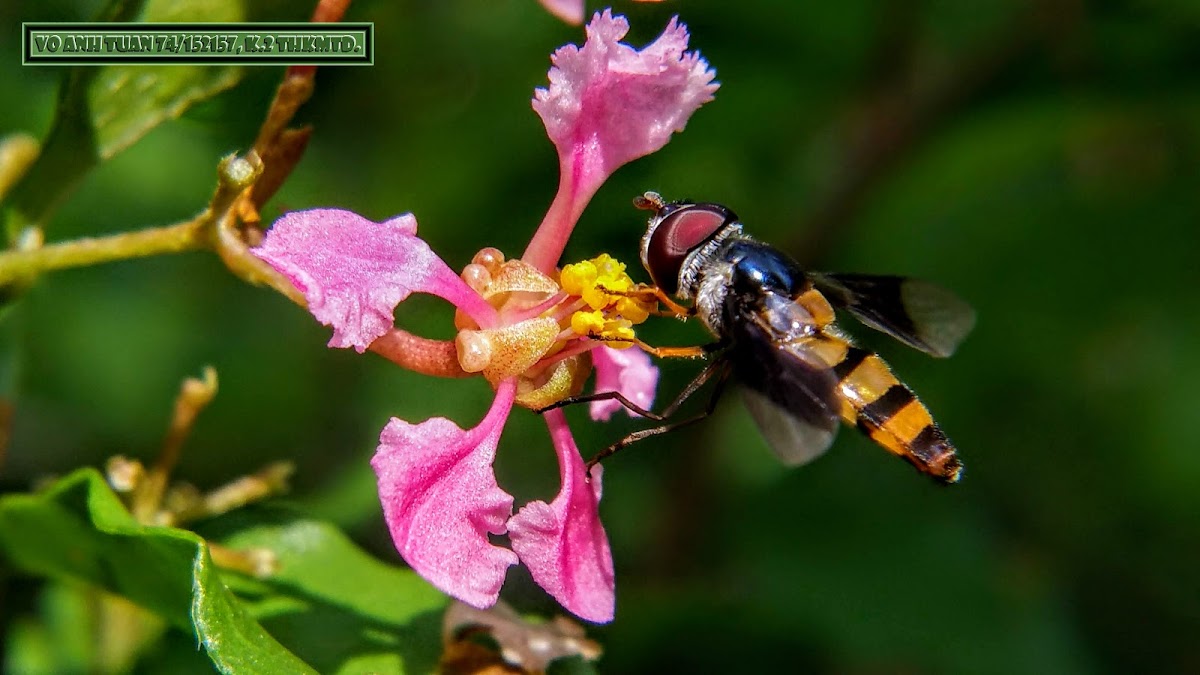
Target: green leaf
[[334, 605], [78, 628], [103, 110], [80, 530], [58, 641]]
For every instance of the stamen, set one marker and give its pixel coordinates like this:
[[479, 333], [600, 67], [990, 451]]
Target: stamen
[[573, 348], [539, 309], [610, 295], [564, 312]]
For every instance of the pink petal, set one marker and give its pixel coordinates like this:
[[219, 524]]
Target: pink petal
[[440, 500], [570, 11], [354, 271], [563, 543], [608, 104], [628, 371]]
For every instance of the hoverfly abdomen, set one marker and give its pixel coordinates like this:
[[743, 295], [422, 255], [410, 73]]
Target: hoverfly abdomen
[[887, 411]]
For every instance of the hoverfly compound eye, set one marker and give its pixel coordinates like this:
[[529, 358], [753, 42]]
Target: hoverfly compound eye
[[675, 231]]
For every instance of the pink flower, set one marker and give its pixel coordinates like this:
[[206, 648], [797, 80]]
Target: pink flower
[[528, 328], [609, 104], [627, 371], [570, 11]]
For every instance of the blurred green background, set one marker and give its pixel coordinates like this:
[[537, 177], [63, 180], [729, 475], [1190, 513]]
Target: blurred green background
[[1041, 158]]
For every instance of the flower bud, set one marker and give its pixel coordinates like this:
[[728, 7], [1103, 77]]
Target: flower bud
[[474, 350], [477, 276], [489, 257]]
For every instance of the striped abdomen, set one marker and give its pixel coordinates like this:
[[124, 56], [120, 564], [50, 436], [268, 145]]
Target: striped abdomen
[[887, 411]]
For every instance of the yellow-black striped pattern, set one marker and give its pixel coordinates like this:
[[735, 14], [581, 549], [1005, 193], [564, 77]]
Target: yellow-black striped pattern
[[876, 401], [888, 411]]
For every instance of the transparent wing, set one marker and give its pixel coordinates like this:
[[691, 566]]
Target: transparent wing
[[790, 391], [918, 313], [793, 440]]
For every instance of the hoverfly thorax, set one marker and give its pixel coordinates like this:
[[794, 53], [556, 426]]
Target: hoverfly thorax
[[679, 237]]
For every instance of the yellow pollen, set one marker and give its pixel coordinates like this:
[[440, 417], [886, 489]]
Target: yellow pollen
[[612, 309], [617, 331], [587, 323]]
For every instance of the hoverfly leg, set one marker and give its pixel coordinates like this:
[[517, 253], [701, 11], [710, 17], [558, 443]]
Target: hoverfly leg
[[673, 308], [688, 352], [617, 396], [645, 292], [719, 368], [603, 396]]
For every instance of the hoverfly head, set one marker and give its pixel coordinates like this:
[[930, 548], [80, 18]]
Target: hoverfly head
[[674, 233]]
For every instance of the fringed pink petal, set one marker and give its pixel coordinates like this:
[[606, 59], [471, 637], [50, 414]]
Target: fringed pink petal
[[609, 103], [354, 271], [570, 11], [440, 500], [563, 543], [606, 105], [628, 371]]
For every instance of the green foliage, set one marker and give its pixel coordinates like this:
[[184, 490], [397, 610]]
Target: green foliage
[[337, 608], [60, 643], [104, 110], [79, 530]]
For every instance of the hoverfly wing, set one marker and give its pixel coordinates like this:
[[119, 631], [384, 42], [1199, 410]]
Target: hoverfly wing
[[793, 440], [918, 313], [791, 393]]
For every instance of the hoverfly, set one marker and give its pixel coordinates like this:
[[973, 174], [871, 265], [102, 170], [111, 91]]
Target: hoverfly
[[776, 335]]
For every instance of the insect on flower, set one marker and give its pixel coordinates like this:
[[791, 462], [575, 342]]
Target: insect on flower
[[776, 336]]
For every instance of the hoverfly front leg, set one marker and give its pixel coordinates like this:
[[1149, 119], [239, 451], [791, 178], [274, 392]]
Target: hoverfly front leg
[[646, 292], [720, 368], [617, 396], [688, 352], [672, 308]]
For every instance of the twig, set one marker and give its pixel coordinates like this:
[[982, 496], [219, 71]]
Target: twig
[[185, 236], [194, 396], [254, 562]]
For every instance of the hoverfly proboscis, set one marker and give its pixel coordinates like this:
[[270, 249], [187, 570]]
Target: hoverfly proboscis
[[777, 338]]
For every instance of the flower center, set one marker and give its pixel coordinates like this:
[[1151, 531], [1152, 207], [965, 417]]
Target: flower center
[[546, 328]]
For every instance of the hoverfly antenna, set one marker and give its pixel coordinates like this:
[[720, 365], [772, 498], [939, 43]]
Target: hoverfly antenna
[[649, 201]]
